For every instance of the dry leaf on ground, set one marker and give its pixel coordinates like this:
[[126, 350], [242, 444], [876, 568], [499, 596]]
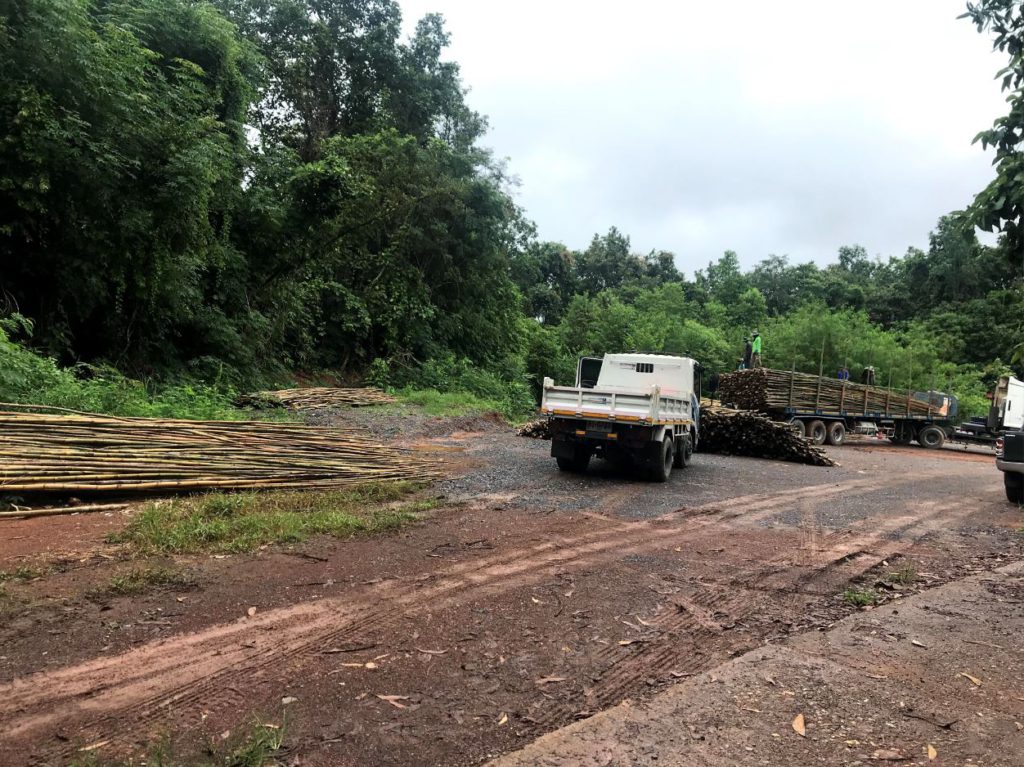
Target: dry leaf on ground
[[799, 727], [932, 753]]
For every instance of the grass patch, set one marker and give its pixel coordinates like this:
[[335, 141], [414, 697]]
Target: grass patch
[[860, 597], [240, 522], [260, 745], [905, 576], [450, 403], [142, 580], [23, 574]]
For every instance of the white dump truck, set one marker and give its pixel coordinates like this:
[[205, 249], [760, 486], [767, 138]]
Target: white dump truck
[[642, 409]]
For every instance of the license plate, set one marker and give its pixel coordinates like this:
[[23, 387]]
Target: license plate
[[600, 426]]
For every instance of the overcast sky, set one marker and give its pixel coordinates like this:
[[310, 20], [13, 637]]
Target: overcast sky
[[786, 128]]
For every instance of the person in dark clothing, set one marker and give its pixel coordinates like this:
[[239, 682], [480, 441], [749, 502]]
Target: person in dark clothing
[[748, 350], [843, 374], [713, 386], [868, 376]]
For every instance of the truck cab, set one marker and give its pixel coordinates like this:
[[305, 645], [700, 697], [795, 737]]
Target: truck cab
[[636, 408], [1007, 416]]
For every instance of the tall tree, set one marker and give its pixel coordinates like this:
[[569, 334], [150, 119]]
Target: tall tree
[[1000, 205]]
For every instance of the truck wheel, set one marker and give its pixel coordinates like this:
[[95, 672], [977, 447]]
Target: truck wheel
[[1014, 487], [577, 464], [931, 437], [684, 451], [799, 427], [836, 433], [816, 432], [662, 460]]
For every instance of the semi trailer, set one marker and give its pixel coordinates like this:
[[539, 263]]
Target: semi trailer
[[826, 409], [640, 409]]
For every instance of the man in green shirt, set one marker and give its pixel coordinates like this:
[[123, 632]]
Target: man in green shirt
[[755, 357]]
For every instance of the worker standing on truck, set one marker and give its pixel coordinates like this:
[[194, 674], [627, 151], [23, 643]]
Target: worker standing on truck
[[748, 350], [713, 386], [868, 376], [755, 356], [843, 374]]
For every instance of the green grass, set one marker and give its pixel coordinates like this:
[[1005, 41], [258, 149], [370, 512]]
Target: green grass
[[860, 597], [449, 403], [22, 574], [241, 522], [905, 576], [142, 580], [260, 745]]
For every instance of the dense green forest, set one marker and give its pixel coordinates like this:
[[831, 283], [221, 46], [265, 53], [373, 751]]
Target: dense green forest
[[208, 197]]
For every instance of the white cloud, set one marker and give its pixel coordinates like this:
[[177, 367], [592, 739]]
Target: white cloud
[[789, 128]]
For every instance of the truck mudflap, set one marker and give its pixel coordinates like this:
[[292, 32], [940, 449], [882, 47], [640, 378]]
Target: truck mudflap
[[563, 448]]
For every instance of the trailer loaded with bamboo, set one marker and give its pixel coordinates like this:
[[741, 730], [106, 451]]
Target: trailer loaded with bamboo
[[825, 409]]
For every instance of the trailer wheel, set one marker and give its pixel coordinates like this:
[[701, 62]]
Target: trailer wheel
[[1014, 487], [798, 427], [577, 464], [816, 432], [662, 460], [931, 437], [836, 433]]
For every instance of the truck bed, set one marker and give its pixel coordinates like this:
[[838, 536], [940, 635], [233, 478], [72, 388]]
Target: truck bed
[[645, 406]]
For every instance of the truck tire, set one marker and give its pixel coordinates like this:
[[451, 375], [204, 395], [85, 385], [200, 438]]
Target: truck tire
[[799, 427], [836, 433], [816, 432], [931, 437], [577, 464], [1014, 487], [684, 451], [662, 460]]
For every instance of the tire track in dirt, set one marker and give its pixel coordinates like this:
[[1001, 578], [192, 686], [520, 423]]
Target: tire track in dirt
[[827, 562], [128, 694]]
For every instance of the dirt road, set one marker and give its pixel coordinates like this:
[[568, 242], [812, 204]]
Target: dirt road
[[532, 600]]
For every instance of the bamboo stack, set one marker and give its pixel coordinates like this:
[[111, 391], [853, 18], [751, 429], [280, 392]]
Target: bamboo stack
[[765, 390], [316, 398], [536, 429], [741, 432], [76, 454]]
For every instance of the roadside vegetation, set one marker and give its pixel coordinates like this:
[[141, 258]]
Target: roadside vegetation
[[860, 597], [142, 580], [259, 744], [368, 232], [242, 522]]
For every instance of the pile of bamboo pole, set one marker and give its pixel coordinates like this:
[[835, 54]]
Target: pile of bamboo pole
[[539, 428], [74, 454], [741, 432], [316, 398], [765, 390]]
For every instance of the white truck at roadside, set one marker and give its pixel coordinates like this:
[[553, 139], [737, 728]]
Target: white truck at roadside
[[642, 409]]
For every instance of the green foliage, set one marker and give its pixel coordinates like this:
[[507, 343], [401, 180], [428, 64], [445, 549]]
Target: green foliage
[[142, 580], [26, 377], [241, 522], [860, 597], [508, 394], [1001, 204]]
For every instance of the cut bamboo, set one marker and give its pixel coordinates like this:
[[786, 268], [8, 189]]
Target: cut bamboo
[[67, 454], [316, 398], [767, 390]]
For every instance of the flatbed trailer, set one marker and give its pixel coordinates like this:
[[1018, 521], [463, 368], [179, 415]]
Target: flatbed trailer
[[826, 409]]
